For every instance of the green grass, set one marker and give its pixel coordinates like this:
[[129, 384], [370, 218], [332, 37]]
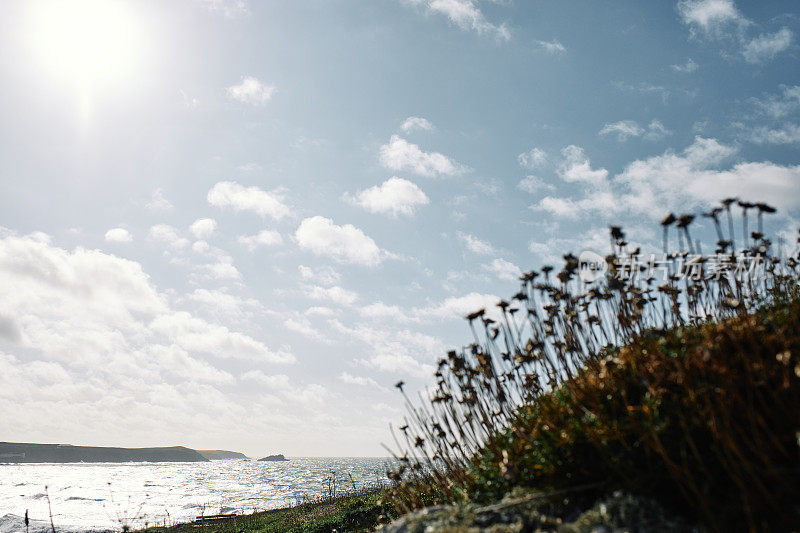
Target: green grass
[[359, 513]]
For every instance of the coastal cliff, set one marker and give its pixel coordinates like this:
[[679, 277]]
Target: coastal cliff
[[20, 452]]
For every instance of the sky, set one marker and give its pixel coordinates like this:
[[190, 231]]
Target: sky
[[236, 224]]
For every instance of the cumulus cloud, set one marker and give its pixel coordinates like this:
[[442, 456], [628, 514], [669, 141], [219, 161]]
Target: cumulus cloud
[[343, 243], [101, 318], [399, 154], [575, 167], [253, 199], [720, 19], [533, 184], [267, 237], [767, 46], [474, 244], [392, 350], [466, 15], [118, 235], [380, 310], [682, 181], [459, 306], [251, 91], [168, 235], [532, 159], [710, 16], [324, 275], [504, 270], [202, 228], [416, 123], [334, 294], [158, 202], [396, 196], [350, 379], [552, 47], [672, 181]]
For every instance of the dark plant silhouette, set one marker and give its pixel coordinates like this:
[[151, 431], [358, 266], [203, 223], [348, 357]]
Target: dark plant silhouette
[[680, 383]]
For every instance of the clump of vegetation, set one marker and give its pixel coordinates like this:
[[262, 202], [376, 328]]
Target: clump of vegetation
[[677, 378], [355, 512]]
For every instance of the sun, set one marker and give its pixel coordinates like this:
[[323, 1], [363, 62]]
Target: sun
[[90, 43]]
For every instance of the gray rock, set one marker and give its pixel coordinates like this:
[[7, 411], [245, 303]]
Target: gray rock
[[525, 513]]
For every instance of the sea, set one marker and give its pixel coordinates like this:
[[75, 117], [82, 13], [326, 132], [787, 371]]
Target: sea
[[113, 496]]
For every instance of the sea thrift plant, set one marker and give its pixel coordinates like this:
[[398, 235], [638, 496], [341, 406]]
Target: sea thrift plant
[[674, 374]]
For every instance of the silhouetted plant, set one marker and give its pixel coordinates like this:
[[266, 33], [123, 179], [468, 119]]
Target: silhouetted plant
[[685, 388]]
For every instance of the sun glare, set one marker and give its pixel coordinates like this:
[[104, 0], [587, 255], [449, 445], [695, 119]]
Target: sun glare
[[87, 42]]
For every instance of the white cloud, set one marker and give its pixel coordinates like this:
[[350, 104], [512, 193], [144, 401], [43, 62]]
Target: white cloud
[[779, 106], [197, 335], [380, 310], [324, 275], [623, 129], [460, 306], [334, 294], [350, 379], [251, 91], [168, 235], [576, 167], [656, 130], [552, 47], [118, 235], [630, 128], [399, 352], [230, 8], [710, 16], [504, 270], [97, 325], [240, 198], [598, 201], [475, 245], [416, 123], [532, 184], [158, 202], [262, 238], [466, 15], [342, 243], [396, 196], [222, 269], [767, 46], [279, 382], [671, 181], [789, 134], [400, 154], [687, 68], [202, 228], [680, 182], [532, 159]]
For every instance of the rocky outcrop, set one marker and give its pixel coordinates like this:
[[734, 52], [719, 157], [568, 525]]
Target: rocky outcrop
[[20, 452], [277, 457], [616, 513]]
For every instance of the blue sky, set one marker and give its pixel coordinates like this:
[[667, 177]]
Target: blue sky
[[255, 217]]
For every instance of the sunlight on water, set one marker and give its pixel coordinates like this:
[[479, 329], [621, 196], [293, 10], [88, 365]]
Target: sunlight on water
[[88, 496]]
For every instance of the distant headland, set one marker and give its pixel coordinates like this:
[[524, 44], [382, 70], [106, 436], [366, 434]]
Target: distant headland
[[22, 452], [214, 455], [276, 457]]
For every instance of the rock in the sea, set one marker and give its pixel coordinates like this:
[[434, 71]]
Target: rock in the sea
[[516, 514], [276, 457]]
